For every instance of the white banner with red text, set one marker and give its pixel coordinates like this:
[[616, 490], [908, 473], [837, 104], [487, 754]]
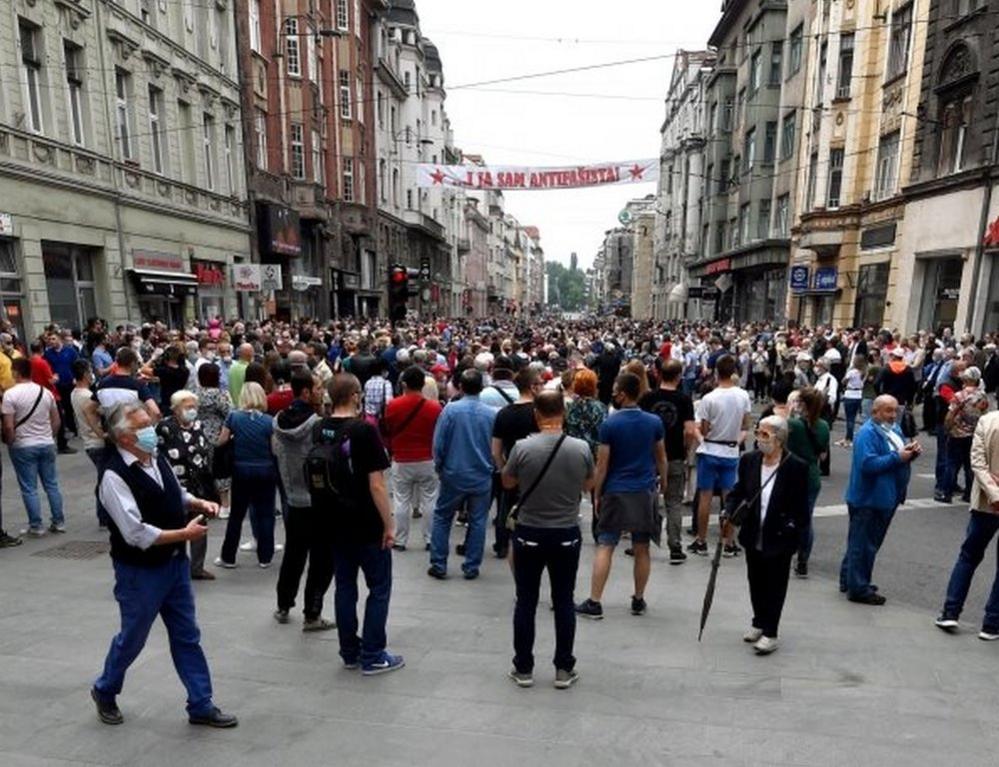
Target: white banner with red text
[[514, 177]]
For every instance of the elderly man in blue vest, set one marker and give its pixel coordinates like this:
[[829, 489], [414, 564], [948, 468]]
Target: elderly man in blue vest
[[150, 527], [879, 477]]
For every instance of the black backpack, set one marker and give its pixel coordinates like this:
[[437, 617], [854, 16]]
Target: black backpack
[[329, 471]]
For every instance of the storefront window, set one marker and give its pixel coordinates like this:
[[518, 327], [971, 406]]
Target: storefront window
[[941, 291], [872, 291], [992, 307], [69, 278], [10, 288]]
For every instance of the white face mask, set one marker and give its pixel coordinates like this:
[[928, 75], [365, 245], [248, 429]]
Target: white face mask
[[189, 414], [767, 445]]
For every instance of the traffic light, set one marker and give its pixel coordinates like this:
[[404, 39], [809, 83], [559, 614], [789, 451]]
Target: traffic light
[[398, 292]]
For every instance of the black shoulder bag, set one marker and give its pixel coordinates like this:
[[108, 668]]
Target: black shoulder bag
[[511, 518], [738, 515]]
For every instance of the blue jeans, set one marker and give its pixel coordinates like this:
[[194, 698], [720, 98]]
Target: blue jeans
[[982, 527], [142, 594], [30, 463], [868, 528], [808, 534], [376, 564], [449, 500], [851, 408], [253, 492]]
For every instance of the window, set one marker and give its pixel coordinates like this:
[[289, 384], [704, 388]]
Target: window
[[770, 143], [156, 137], [733, 233], [887, 169], [776, 62], [341, 14], [783, 211], [317, 158], [310, 52], [31, 66], [749, 151], [787, 137], [836, 157], [709, 179], [297, 152], [813, 170], [345, 94], [763, 220], [74, 89], [382, 191], [964, 7], [186, 133], [395, 188], [406, 79], [820, 81], [230, 171], [740, 103], [845, 67], [380, 109], [898, 50], [727, 114], [794, 51], [146, 11], [208, 139], [713, 117], [872, 291], [719, 238], [260, 127], [291, 51], [348, 179], [255, 25], [755, 72], [744, 221], [953, 130], [724, 177], [409, 199], [122, 87]]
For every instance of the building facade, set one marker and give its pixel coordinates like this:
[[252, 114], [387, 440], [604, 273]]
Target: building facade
[[122, 192]]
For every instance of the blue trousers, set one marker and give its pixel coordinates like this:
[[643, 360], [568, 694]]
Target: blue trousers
[[253, 493], [868, 528], [851, 409], [142, 594], [30, 463], [982, 527], [449, 500], [376, 564]]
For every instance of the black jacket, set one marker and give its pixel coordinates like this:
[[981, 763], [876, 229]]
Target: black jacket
[[787, 515]]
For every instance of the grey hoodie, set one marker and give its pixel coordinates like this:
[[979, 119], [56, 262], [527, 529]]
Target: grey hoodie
[[291, 442]]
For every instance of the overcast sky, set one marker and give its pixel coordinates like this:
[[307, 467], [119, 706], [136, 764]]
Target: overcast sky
[[481, 40]]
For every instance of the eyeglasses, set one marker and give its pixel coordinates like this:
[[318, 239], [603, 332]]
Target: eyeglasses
[[766, 434]]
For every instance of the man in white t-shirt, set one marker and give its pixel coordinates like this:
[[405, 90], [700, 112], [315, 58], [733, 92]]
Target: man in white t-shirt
[[30, 423], [725, 418]]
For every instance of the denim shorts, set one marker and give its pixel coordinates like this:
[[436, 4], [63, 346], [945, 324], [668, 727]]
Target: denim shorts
[[715, 473], [613, 539]]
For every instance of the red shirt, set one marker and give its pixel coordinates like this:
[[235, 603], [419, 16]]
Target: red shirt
[[41, 374], [279, 399], [415, 442]]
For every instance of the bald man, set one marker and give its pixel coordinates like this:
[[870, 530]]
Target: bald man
[[237, 373]]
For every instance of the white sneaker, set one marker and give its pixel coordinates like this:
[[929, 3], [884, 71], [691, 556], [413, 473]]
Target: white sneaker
[[263, 565], [753, 635], [34, 532], [224, 512], [219, 562], [250, 545], [988, 636], [278, 547], [766, 645]]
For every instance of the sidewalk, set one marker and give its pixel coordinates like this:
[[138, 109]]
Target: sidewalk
[[850, 685]]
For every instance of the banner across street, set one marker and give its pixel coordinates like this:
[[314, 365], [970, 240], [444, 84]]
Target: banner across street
[[526, 177]]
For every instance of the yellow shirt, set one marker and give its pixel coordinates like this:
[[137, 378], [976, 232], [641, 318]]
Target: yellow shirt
[[6, 377]]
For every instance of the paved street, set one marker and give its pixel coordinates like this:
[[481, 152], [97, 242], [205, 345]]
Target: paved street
[[850, 685]]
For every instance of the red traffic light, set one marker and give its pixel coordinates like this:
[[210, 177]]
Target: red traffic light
[[399, 275]]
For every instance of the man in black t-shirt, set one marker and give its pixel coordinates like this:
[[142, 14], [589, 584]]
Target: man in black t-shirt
[[362, 536], [676, 410], [513, 422]]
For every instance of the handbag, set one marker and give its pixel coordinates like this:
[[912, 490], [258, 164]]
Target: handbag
[[511, 518], [738, 515]]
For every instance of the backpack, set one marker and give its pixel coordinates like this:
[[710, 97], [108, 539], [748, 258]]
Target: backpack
[[329, 470]]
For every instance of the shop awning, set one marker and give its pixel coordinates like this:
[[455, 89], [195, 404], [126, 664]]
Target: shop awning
[[677, 294], [155, 283]]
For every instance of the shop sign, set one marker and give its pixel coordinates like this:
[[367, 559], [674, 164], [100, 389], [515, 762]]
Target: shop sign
[[725, 265], [6, 225], [157, 261], [799, 278], [209, 275], [270, 277], [303, 282], [280, 233], [351, 281], [949, 294], [695, 291], [710, 293], [826, 278], [246, 278]]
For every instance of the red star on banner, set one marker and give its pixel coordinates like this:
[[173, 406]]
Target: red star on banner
[[438, 176], [992, 236], [636, 172]]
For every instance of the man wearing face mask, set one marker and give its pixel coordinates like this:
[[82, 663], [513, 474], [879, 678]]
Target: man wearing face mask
[[149, 529]]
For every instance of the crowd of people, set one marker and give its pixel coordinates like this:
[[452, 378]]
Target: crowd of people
[[350, 431]]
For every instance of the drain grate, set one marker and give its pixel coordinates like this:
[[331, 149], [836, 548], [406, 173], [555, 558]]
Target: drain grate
[[76, 550]]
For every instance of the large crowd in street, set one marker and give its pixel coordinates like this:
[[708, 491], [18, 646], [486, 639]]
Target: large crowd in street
[[368, 440]]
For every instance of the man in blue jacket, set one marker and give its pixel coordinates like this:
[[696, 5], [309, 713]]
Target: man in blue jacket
[[879, 477], [464, 462]]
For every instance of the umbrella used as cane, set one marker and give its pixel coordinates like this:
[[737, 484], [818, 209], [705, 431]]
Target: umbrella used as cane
[[709, 594]]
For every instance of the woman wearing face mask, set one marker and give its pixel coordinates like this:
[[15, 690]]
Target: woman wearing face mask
[[181, 439], [771, 491]]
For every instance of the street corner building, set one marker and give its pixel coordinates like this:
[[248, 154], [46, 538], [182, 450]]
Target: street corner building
[[122, 186]]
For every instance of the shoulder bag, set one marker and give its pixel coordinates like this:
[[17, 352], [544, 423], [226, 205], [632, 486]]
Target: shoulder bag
[[511, 518], [738, 515]]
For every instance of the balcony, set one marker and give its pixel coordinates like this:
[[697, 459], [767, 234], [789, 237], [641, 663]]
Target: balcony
[[423, 222], [309, 199]]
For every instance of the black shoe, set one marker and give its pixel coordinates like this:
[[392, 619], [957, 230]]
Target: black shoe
[[8, 541], [590, 609], [471, 575], [638, 606], [698, 547], [801, 569], [109, 713], [677, 557], [731, 550], [281, 616], [215, 718], [460, 549], [629, 552], [947, 623], [436, 572], [501, 553], [942, 498], [870, 598], [966, 498]]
